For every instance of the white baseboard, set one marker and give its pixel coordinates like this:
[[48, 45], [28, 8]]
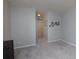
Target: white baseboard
[[25, 46], [72, 44], [48, 42], [54, 41]]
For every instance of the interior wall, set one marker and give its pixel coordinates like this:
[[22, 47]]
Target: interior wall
[[6, 21], [53, 33], [69, 26], [23, 26]]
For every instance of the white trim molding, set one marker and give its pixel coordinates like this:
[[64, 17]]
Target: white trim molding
[[54, 40], [72, 44], [24, 46]]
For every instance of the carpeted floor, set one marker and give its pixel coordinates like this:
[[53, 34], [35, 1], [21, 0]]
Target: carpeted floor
[[55, 50]]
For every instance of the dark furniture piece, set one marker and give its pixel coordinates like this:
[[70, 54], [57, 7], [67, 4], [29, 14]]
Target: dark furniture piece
[[8, 51]]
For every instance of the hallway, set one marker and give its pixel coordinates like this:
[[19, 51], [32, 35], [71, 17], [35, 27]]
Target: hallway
[[40, 27]]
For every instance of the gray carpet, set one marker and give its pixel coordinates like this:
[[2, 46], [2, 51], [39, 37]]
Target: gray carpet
[[55, 50]]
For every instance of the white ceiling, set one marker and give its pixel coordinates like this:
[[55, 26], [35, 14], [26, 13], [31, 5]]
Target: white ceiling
[[59, 5]]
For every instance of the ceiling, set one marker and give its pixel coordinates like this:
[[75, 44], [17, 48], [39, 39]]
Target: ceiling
[[58, 5]]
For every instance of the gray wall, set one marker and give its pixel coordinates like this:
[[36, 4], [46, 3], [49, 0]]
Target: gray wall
[[54, 33], [6, 21], [69, 26], [23, 26]]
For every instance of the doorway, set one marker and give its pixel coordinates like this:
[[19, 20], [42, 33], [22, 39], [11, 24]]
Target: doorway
[[40, 28]]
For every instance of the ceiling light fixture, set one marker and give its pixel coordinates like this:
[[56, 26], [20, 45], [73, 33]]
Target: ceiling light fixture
[[39, 15]]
